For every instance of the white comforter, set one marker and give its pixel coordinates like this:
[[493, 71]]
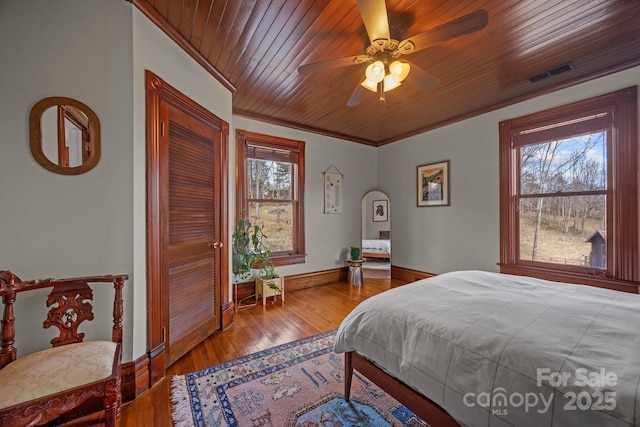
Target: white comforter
[[499, 350], [377, 246]]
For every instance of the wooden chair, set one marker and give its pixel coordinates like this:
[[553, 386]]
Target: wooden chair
[[73, 378]]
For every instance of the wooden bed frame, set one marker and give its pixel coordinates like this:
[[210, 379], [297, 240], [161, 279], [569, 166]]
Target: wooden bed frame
[[375, 255], [422, 406]]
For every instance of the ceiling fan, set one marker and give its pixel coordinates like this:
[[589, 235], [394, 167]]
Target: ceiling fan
[[385, 71]]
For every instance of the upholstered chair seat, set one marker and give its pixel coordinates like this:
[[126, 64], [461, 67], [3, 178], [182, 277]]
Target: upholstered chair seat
[[54, 370]]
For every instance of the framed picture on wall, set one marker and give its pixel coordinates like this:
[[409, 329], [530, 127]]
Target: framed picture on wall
[[380, 212], [433, 184]]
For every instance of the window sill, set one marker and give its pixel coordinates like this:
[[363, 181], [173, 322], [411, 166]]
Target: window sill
[[571, 277], [288, 259]]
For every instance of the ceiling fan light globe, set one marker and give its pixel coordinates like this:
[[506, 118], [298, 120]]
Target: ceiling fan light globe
[[390, 83], [375, 72], [368, 84], [399, 70]]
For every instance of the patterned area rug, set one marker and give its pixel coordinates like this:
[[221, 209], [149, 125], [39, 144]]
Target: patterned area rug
[[297, 384]]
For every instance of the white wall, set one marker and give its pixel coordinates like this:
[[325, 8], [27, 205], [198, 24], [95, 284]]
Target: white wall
[[53, 225], [328, 236], [466, 234], [153, 50]]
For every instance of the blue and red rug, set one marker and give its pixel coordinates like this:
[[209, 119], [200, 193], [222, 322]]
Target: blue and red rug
[[297, 384]]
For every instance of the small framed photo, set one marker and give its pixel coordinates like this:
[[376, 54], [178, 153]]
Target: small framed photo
[[433, 184], [380, 212]]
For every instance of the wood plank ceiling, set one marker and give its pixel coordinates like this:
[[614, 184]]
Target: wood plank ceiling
[[255, 47]]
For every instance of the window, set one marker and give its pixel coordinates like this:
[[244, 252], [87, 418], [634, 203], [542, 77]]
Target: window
[[568, 192], [270, 188]]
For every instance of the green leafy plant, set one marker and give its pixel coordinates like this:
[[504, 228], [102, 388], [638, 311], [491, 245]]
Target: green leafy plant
[[248, 250], [247, 247]]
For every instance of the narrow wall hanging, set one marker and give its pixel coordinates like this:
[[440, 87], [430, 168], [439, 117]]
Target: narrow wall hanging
[[332, 191]]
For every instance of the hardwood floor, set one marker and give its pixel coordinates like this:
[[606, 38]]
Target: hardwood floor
[[306, 312]]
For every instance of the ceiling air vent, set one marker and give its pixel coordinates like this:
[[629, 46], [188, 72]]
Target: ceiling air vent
[[552, 72]]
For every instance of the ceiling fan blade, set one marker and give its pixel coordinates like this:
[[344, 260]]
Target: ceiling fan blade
[[421, 78], [374, 15], [470, 23], [332, 63], [356, 96]]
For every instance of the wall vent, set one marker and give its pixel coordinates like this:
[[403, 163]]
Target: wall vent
[[552, 72]]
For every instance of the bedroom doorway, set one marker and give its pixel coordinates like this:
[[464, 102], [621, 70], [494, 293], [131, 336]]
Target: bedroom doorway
[[376, 234]]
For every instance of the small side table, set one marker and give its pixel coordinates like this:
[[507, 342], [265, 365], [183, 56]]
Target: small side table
[[355, 271]]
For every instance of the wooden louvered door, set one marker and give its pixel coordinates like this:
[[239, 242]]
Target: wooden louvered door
[[187, 225], [191, 235]]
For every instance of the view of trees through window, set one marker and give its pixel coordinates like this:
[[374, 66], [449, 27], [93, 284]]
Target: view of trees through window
[[269, 190], [569, 192], [562, 201]]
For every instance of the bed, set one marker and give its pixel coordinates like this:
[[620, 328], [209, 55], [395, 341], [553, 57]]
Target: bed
[[377, 248], [476, 348]]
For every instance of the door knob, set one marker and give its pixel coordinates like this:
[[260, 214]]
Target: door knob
[[216, 245]]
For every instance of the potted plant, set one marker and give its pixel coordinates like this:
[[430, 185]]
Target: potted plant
[[246, 250], [268, 280]]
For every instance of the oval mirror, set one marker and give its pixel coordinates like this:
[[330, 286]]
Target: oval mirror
[[64, 135], [376, 234]]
